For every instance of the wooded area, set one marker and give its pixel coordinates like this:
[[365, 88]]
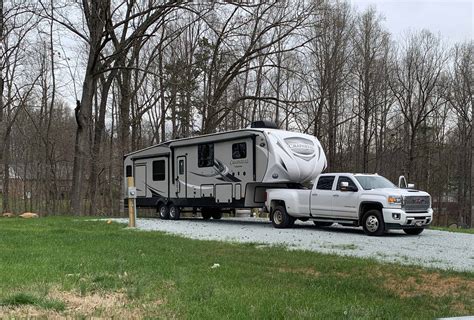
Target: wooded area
[[143, 72]]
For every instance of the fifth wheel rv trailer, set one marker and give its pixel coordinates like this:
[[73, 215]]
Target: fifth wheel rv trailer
[[225, 170]]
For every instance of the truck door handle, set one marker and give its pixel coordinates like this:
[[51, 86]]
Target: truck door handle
[[314, 194], [335, 195]]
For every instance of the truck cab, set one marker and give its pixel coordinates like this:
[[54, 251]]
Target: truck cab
[[367, 200]]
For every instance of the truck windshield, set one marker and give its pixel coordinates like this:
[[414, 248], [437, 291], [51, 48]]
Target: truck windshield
[[374, 182]]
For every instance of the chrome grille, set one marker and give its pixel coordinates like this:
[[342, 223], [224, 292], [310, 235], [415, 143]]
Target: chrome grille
[[416, 203]]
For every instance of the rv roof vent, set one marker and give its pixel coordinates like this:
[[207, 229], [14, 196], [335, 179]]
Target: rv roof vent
[[264, 124]]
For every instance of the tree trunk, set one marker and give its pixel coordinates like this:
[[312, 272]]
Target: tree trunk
[[472, 168], [96, 148], [83, 113], [6, 173], [124, 111]]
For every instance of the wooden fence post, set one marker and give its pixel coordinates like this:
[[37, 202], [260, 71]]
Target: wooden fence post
[[131, 205]]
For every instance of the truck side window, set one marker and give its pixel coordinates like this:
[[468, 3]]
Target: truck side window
[[325, 183], [158, 170], [239, 150], [205, 155], [345, 179]]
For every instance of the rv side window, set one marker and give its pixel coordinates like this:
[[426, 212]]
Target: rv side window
[[159, 173], [239, 150], [128, 171], [181, 167], [325, 183], [205, 155]]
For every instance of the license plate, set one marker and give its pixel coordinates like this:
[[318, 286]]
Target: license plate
[[419, 223]]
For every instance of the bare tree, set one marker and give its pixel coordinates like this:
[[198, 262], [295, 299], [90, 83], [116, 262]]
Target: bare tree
[[461, 99], [415, 86]]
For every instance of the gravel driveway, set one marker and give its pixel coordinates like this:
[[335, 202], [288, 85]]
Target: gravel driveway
[[438, 249]]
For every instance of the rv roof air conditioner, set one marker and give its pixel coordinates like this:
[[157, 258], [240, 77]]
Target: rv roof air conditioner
[[264, 124]]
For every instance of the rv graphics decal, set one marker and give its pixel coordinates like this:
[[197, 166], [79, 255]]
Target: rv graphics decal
[[154, 192], [221, 172], [301, 147]]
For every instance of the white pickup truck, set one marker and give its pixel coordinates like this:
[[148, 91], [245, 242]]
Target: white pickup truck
[[366, 200]]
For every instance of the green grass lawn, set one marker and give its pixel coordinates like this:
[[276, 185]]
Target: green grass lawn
[[79, 268]]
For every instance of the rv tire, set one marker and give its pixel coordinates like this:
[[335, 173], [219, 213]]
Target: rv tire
[[280, 218], [174, 212], [206, 214], [163, 211], [216, 214]]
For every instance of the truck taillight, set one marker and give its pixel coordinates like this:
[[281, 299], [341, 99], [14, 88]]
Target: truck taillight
[[265, 198]]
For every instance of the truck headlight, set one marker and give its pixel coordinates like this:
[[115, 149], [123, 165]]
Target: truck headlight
[[396, 200]]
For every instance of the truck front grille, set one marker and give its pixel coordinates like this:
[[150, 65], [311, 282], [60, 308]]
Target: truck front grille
[[417, 203]]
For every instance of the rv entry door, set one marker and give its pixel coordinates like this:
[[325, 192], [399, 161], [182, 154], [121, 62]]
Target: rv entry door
[[140, 179], [181, 177]]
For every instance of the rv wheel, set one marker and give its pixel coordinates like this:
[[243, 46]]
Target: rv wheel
[[175, 212], [163, 211], [280, 219], [206, 215], [217, 215]]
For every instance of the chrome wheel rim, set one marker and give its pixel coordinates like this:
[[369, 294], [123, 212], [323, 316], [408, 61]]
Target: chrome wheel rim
[[162, 211], [278, 217], [372, 223], [172, 212]]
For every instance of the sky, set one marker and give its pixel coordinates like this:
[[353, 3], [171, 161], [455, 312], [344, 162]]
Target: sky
[[452, 19]]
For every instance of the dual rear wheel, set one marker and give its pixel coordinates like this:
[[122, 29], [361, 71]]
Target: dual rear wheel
[[280, 218], [170, 211]]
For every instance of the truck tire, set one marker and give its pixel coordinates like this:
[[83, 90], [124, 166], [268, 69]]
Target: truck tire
[[413, 231], [174, 212], [205, 213], [373, 224], [280, 218], [320, 224], [163, 211]]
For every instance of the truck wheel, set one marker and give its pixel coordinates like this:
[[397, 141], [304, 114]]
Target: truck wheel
[[373, 224], [216, 215], [174, 212], [206, 214], [413, 231], [281, 219], [320, 224], [163, 211]]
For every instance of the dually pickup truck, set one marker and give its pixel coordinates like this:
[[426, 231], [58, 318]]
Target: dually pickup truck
[[367, 200]]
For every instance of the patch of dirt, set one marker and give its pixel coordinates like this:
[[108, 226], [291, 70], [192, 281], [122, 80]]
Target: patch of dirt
[[307, 271], [432, 284], [95, 305], [459, 307]]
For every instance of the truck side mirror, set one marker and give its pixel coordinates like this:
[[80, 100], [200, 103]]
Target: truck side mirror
[[402, 182], [344, 186]]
